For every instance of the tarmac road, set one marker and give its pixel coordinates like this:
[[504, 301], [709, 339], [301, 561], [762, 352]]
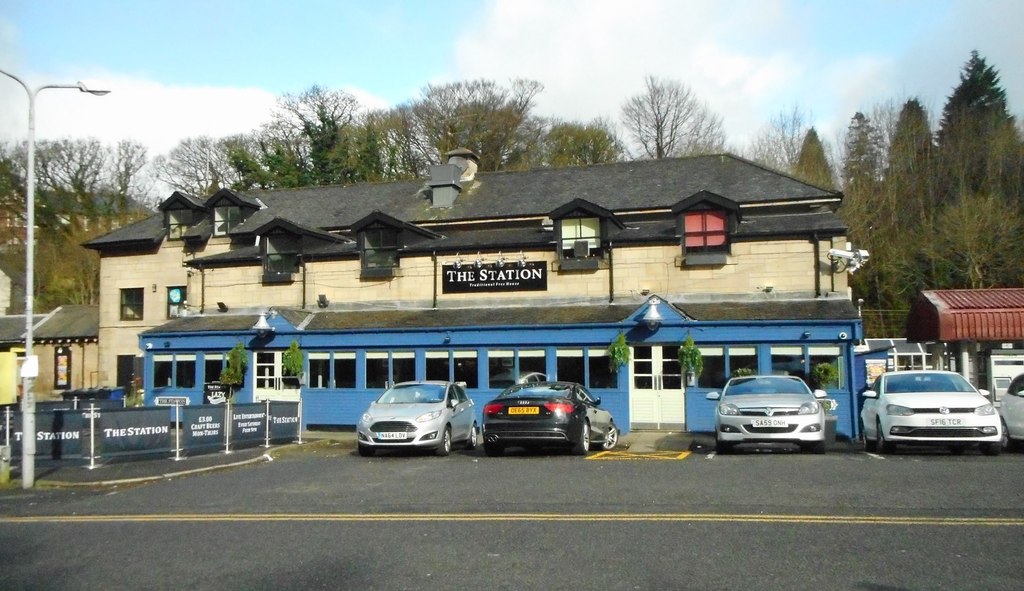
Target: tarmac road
[[320, 517]]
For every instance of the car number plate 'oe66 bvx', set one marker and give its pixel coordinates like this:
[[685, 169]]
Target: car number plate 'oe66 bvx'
[[523, 410], [769, 423]]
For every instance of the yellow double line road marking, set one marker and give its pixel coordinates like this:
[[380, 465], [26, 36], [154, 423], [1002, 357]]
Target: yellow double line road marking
[[645, 455], [483, 517]]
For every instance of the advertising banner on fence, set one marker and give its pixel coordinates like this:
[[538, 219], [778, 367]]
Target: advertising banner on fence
[[132, 430], [202, 426], [58, 434], [284, 420], [248, 422]]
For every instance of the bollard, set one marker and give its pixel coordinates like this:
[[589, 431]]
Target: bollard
[[5, 464]]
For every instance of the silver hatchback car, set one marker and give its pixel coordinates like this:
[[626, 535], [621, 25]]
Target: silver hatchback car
[[769, 409], [419, 415]]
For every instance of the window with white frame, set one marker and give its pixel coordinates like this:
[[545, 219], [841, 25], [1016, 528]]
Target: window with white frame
[[581, 237], [178, 222]]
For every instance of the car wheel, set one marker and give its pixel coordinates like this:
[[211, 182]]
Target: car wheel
[[723, 448], [870, 444], [446, 442], [473, 434], [493, 449], [885, 447], [582, 445], [992, 448], [366, 451], [817, 447], [611, 438]]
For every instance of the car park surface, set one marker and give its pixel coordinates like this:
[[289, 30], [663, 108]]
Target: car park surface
[[769, 409], [928, 407], [547, 414], [418, 415]]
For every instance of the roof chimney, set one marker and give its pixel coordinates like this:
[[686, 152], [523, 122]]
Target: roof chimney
[[466, 160], [446, 179]]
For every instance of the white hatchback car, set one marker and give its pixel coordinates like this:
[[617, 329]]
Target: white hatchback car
[[769, 409], [924, 407], [1011, 407]]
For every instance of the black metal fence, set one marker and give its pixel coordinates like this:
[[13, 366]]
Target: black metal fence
[[98, 429]]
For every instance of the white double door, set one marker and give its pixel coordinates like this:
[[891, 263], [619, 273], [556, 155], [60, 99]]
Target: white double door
[[656, 389], [271, 384]]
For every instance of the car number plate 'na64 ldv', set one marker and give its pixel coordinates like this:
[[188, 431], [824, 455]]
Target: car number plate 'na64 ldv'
[[523, 410], [391, 435]]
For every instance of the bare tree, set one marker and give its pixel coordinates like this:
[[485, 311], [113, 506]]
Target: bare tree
[[668, 120], [778, 143], [197, 166]]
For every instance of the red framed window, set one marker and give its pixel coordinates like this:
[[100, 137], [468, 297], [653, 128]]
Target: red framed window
[[705, 230]]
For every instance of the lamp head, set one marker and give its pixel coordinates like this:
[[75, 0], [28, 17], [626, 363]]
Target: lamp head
[[84, 88]]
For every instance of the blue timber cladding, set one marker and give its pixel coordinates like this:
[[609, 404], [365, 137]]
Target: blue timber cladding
[[508, 329]]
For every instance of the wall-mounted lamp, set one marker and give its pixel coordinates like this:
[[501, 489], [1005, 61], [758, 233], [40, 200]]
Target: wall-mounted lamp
[[652, 317], [479, 262], [262, 327], [501, 260], [522, 259], [447, 337], [806, 335], [154, 288], [458, 261], [322, 301], [222, 307]]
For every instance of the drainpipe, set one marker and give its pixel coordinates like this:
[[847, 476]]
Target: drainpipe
[[611, 274], [202, 290], [433, 258], [303, 263], [817, 265]]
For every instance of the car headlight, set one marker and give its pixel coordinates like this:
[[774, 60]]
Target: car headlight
[[897, 410], [808, 408], [985, 410], [366, 418], [430, 416], [728, 409]]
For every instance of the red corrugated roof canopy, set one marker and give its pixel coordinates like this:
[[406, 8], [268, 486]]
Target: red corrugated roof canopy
[[967, 315]]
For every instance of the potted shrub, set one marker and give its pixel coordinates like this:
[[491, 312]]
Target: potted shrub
[[691, 361], [826, 375], [234, 371], [292, 365], [618, 352]]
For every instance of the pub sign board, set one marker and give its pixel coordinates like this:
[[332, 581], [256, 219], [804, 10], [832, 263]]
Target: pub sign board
[[512, 276]]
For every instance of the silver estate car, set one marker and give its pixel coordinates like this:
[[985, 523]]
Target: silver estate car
[[419, 415], [769, 409]]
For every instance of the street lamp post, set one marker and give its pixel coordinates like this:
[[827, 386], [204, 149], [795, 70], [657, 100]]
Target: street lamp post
[[30, 367]]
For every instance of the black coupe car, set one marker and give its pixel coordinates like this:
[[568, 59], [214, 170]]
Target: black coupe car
[[547, 414]]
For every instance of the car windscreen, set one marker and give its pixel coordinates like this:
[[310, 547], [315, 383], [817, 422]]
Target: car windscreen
[[766, 386], [541, 391], [412, 394], [926, 382]]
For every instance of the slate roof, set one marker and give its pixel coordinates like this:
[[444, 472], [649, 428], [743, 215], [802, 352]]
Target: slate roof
[[548, 315], [619, 187], [71, 322], [12, 329]]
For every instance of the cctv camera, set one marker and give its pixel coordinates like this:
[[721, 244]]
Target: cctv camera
[[843, 336]]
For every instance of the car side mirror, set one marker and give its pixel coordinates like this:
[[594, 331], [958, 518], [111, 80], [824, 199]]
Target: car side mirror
[[713, 396], [597, 401], [819, 394], [869, 394]]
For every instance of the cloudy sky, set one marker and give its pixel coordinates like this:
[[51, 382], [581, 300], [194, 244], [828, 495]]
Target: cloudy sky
[[186, 68]]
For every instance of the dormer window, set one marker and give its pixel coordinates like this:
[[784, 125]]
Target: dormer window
[[705, 231], [282, 255], [581, 238], [379, 249], [225, 218], [178, 222]]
